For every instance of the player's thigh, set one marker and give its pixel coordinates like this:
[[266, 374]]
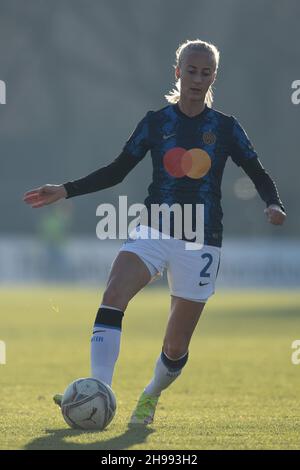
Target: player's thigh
[[128, 275], [183, 319]]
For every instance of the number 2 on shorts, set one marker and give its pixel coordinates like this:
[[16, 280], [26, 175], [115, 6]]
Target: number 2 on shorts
[[203, 272]]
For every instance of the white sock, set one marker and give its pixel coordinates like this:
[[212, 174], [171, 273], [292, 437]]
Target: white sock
[[105, 343], [166, 371]]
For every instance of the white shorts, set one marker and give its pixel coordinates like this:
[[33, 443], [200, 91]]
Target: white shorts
[[191, 273]]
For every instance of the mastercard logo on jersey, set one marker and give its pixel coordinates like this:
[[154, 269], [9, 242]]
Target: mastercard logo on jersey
[[194, 163]]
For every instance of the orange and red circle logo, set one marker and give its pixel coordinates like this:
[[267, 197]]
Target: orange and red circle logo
[[180, 162]]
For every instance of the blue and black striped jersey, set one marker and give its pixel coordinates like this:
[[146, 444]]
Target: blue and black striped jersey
[[188, 156]]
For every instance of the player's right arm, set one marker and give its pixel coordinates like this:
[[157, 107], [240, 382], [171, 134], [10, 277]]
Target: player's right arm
[[244, 155], [103, 178], [133, 152]]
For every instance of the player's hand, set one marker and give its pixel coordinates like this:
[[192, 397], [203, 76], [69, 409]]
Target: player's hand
[[275, 214], [45, 195]]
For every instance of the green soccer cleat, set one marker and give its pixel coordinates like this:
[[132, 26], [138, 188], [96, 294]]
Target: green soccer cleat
[[145, 409], [58, 399]]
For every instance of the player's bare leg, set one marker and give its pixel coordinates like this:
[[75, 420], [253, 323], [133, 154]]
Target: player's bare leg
[[127, 277], [183, 319]]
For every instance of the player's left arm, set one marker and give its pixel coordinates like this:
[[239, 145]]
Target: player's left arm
[[267, 190], [244, 155]]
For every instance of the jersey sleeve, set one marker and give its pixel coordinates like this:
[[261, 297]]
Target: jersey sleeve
[[104, 177], [243, 154], [241, 149], [133, 152], [138, 143], [263, 182]]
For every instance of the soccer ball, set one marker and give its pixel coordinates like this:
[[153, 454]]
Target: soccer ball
[[88, 404]]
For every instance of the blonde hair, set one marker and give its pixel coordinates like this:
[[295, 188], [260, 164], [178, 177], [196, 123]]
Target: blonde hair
[[193, 46]]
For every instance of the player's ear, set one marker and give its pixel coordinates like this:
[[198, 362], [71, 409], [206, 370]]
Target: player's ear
[[177, 72]]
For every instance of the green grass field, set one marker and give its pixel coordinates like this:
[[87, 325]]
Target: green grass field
[[239, 389]]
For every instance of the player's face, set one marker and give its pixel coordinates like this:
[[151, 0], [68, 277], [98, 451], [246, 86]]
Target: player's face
[[196, 73]]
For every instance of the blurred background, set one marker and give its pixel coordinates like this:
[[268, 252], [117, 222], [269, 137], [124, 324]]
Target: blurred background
[[80, 74]]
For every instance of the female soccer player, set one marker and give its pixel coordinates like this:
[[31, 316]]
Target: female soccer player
[[190, 143]]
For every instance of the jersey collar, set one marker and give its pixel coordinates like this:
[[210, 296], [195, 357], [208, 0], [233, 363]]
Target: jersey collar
[[193, 118]]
